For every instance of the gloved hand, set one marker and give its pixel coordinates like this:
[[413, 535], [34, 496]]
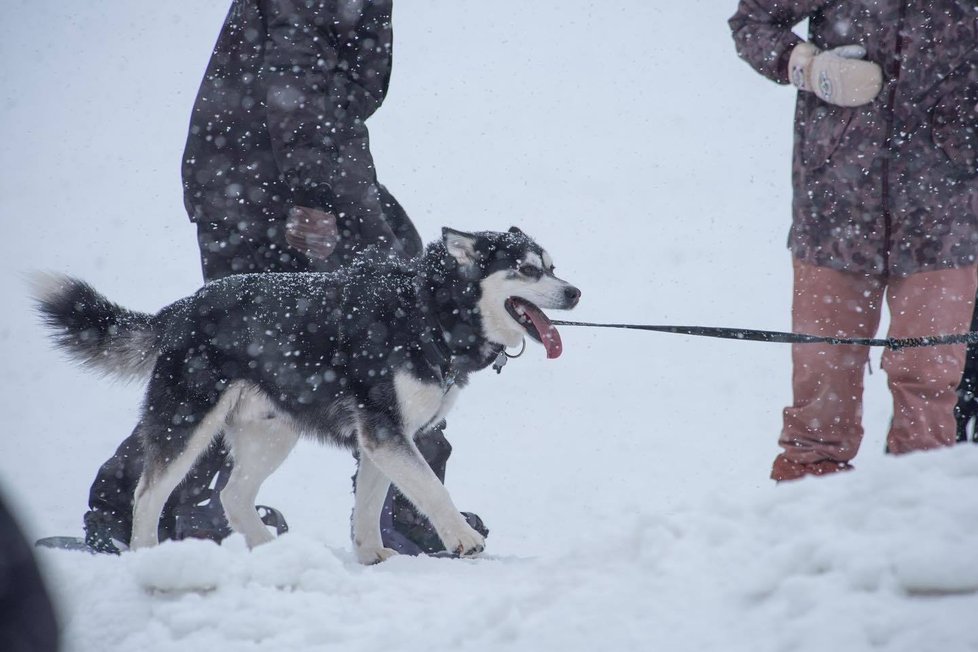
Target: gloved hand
[[838, 76], [311, 231]]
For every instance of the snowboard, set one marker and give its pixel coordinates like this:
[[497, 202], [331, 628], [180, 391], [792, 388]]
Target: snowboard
[[65, 543]]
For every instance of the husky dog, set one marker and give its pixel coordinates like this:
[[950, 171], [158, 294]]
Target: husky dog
[[366, 357]]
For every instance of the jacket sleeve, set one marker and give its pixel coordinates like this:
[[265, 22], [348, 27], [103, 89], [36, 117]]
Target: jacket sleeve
[[762, 33], [326, 70]]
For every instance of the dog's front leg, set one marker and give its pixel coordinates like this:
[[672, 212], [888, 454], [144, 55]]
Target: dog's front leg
[[369, 495], [398, 458], [148, 502]]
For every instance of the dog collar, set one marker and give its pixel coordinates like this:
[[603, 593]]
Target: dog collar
[[438, 354], [436, 350]]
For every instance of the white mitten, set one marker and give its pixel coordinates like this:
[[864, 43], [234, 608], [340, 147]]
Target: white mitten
[[838, 76]]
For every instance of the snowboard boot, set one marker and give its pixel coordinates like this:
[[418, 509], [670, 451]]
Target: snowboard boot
[[785, 470]]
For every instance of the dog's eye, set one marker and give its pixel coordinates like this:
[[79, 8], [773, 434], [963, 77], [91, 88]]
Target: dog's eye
[[529, 270]]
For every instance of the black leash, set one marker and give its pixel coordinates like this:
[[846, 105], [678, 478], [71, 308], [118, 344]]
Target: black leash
[[750, 334]]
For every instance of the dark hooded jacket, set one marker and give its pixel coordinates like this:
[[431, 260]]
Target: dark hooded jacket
[[280, 120], [892, 186]]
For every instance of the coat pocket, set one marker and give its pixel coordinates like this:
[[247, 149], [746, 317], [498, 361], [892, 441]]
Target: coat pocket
[[824, 128]]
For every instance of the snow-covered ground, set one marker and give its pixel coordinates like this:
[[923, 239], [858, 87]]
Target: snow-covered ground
[[625, 484]]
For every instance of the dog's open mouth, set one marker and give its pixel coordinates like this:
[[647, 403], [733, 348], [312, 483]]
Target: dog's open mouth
[[536, 324]]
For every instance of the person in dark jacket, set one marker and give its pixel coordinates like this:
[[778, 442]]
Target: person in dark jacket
[[885, 208], [278, 177]]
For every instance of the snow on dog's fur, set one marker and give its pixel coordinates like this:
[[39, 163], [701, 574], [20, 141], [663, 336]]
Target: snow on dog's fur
[[367, 357]]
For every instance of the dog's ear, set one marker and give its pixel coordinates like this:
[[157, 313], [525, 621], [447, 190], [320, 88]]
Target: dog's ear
[[516, 230], [460, 245]]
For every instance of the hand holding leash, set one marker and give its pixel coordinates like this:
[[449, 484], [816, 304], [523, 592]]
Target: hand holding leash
[[838, 76], [312, 231]]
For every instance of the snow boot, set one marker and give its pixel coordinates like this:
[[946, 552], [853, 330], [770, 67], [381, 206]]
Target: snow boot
[[784, 470]]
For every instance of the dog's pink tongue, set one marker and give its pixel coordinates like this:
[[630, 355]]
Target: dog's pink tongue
[[548, 332]]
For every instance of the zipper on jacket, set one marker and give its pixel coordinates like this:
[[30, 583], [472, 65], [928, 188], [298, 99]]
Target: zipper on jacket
[[888, 142]]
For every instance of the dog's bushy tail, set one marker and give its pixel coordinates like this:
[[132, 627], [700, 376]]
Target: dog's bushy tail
[[100, 334]]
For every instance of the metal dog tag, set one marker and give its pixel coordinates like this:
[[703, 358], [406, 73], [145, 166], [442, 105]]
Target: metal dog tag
[[500, 362]]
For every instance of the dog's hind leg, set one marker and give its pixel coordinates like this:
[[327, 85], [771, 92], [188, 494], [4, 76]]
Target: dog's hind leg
[[260, 440], [399, 459], [175, 434], [160, 477], [371, 490]]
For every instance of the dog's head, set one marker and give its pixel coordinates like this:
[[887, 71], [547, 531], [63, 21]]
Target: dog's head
[[516, 278]]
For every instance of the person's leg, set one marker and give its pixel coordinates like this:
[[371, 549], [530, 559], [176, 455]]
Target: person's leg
[[923, 380], [966, 410], [823, 427], [108, 522]]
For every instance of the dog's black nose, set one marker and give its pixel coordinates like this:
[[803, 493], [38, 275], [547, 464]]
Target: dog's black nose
[[572, 295]]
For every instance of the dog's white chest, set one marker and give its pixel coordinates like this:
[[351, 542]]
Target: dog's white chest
[[421, 403]]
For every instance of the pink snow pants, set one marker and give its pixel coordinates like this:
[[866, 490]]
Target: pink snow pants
[[825, 420]]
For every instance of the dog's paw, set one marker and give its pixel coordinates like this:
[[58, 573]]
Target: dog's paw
[[467, 543], [371, 556]]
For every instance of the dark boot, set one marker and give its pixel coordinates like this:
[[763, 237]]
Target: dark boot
[[784, 470]]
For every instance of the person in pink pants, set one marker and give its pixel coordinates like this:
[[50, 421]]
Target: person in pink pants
[[885, 210]]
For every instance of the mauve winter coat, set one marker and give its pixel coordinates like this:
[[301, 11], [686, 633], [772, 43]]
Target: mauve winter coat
[[890, 187]]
